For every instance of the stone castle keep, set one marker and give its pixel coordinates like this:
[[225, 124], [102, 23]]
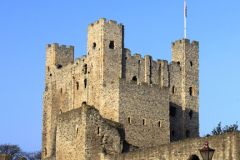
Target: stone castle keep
[[112, 103]]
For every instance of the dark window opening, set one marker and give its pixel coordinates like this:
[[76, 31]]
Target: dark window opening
[[129, 120], [159, 66], [77, 85], [144, 122], [172, 111], [178, 62], [85, 69], [191, 63], [159, 123], [45, 150], [187, 133], [85, 83], [59, 66], [94, 45], [134, 78], [126, 58], [50, 74], [191, 114], [194, 157], [111, 45], [84, 103], [173, 89], [98, 130], [173, 133], [139, 61], [191, 91], [61, 90]]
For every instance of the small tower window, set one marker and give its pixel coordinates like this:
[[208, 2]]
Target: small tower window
[[159, 66], [85, 69], [61, 90], [159, 123], [129, 120], [77, 85], [50, 74], [144, 121], [172, 111], [84, 103], [178, 63], [94, 45], [187, 133], [139, 61], [174, 90], [98, 130], [134, 78], [85, 83], [111, 45], [191, 64], [191, 114], [191, 91], [173, 133]]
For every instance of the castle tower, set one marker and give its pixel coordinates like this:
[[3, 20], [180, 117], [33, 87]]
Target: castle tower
[[184, 90], [57, 57], [104, 49]]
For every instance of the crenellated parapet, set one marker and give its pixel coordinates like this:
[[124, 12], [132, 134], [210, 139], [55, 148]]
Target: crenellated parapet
[[103, 21]]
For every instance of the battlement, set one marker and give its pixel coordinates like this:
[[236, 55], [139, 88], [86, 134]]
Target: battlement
[[56, 46], [103, 21], [184, 41]]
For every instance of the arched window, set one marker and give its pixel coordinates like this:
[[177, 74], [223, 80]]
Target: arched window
[[111, 45], [134, 78]]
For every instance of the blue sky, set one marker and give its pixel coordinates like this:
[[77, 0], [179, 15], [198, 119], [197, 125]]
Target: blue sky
[[27, 26]]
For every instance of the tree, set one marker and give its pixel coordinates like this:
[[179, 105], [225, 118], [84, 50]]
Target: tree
[[13, 150], [219, 130]]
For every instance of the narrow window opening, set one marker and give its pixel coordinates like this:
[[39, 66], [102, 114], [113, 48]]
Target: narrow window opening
[[77, 131], [50, 74], [77, 85], [191, 114], [85, 83], [61, 90], [94, 45], [60, 111], [45, 150], [187, 133], [172, 111], [191, 91], [85, 69], [134, 78], [48, 69], [178, 62], [129, 120], [191, 63], [144, 121], [174, 90], [173, 133], [126, 58], [159, 123], [159, 66], [59, 66], [139, 61], [98, 130], [111, 45]]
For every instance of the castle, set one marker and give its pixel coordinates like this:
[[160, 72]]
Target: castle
[[111, 103]]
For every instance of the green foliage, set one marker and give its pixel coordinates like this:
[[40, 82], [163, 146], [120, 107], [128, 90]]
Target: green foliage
[[219, 130]]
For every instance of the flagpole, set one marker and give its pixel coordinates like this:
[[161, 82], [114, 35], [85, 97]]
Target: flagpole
[[185, 16]]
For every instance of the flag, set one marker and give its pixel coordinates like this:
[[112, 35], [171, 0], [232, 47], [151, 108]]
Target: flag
[[185, 10]]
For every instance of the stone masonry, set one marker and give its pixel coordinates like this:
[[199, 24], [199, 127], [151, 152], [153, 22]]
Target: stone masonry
[[112, 102]]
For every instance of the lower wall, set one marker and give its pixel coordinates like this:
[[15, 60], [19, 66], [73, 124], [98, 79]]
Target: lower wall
[[227, 147]]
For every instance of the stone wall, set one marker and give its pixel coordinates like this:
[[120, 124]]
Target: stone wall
[[144, 111], [227, 147]]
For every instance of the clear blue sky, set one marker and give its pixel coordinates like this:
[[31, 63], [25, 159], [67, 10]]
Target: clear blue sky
[[150, 27]]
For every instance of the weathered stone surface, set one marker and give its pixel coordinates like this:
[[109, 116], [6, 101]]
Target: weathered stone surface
[[156, 102]]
